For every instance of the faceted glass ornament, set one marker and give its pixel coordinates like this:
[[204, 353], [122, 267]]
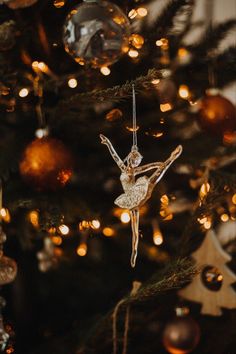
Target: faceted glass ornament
[[96, 33], [8, 270]]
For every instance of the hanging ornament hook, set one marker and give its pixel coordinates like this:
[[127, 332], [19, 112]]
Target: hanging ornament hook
[[135, 140]]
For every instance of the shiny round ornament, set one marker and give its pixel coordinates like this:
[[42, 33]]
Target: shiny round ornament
[[217, 114], [8, 270], [181, 335], [96, 33], [7, 35], [46, 164]]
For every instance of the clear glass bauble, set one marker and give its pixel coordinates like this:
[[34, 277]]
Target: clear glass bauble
[[96, 33]]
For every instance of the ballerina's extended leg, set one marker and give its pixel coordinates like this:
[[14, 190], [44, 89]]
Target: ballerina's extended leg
[[158, 174], [134, 215]]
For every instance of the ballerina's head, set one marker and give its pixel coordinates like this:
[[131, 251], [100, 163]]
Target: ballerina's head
[[134, 158]]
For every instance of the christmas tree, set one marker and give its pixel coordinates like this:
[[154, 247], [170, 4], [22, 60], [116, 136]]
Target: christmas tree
[[70, 73]]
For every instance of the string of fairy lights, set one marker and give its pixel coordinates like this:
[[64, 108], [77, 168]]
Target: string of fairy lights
[[86, 228]]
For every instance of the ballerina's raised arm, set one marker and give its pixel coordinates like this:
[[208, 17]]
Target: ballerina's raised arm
[[115, 156]]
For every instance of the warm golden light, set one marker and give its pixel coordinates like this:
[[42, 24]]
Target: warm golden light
[[59, 3], [234, 199], [42, 66], [165, 107], [108, 232], [95, 224], [83, 225], [224, 217], [41, 132], [132, 14], [156, 81], [202, 220], [125, 217], [207, 224], [184, 92], [105, 70], [57, 240], [82, 250], [142, 11], [35, 64], [163, 42], [164, 199], [34, 218], [23, 92], [183, 52], [5, 215], [132, 53], [157, 238], [136, 40], [205, 188], [72, 83], [64, 229]]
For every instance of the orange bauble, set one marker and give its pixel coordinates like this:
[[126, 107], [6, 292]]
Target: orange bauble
[[217, 114], [46, 164]]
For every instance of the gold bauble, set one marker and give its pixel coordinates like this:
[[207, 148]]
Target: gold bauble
[[181, 335], [217, 114], [46, 164]]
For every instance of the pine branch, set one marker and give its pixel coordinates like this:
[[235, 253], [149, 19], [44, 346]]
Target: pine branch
[[212, 37], [174, 276], [166, 19], [115, 94]]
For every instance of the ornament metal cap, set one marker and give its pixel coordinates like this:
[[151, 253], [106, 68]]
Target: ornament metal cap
[[182, 311]]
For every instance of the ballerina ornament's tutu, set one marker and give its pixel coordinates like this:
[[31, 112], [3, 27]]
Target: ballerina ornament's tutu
[[137, 191]]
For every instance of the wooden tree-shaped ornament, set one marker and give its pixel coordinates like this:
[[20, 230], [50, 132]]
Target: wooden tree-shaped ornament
[[212, 287]]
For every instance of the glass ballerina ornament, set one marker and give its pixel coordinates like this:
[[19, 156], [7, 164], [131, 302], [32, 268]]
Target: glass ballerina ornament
[[137, 191]]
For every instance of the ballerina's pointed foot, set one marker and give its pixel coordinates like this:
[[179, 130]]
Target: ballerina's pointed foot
[[103, 139], [177, 152], [133, 259]]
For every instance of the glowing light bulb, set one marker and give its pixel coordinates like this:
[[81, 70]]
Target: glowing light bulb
[[58, 3], [205, 188], [41, 132], [95, 224], [42, 66], [34, 218], [207, 224], [156, 81], [82, 250], [23, 92], [142, 11], [157, 238], [184, 92], [57, 240], [224, 217], [105, 70], [132, 53], [136, 40], [5, 215], [234, 199], [108, 232], [125, 217], [132, 14], [64, 229], [165, 107], [72, 83]]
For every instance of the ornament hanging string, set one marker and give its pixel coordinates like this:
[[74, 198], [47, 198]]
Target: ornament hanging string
[[135, 288], [135, 140]]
